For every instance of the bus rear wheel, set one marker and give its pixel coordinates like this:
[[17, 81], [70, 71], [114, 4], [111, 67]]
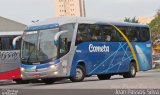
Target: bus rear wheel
[[80, 74], [48, 81], [104, 77], [132, 71]]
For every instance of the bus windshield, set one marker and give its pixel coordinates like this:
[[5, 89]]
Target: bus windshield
[[38, 46]]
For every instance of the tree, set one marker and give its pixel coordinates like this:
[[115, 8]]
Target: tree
[[158, 12], [155, 26], [131, 20]]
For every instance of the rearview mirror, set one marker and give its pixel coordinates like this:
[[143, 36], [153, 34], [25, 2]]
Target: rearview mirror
[[56, 37], [15, 40]]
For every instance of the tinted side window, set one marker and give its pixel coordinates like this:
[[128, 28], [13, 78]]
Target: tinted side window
[[144, 34], [96, 33], [110, 34], [136, 34], [89, 32], [83, 33], [6, 43], [132, 33]]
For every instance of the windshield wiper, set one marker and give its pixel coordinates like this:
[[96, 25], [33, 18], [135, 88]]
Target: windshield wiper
[[30, 55]]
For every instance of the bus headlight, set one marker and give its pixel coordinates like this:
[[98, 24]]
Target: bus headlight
[[22, 69], [21, 76], [53, 67]]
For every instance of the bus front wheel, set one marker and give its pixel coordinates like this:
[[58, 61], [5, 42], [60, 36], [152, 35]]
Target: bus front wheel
[[104, 77], [80, 74], [132, 71]]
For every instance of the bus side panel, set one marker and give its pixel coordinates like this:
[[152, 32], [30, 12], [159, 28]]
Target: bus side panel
[[144, 55], [9, 64], [119, 58], [115, 60], [13, 74]]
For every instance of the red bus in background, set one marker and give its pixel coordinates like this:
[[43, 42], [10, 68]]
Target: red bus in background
[[10, 43]]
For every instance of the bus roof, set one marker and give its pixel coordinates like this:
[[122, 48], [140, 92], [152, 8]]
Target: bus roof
[[11, 33], [55, 22]]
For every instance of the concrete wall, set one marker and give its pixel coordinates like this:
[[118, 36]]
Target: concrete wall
[[10, 25]]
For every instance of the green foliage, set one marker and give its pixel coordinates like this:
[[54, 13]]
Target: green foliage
[[131, 20], [155, 26]]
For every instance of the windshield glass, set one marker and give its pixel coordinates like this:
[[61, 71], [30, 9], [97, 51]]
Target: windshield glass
[[38, 46], [42, 46], [47, 47]]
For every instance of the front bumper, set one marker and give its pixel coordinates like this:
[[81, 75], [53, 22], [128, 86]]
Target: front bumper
[[41, 73]]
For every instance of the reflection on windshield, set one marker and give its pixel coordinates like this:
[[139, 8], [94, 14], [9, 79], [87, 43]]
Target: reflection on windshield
[[38, 47], [43, 46], [29, 46], [47, 48]]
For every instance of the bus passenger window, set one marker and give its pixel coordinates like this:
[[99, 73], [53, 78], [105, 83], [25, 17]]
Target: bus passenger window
[[110, 34], [144, 34], [96, 33], [83, 34], [94, 37], [78, 38], [107, 38], [6, 43], [0, 44]]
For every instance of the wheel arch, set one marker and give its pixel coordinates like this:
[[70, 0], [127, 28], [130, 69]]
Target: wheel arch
[[133, 61], [81, 63]]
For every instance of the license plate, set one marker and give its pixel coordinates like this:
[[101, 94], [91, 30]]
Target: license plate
[[36, 75]]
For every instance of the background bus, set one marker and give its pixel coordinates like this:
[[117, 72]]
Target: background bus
[[71, 47], [9, 56]]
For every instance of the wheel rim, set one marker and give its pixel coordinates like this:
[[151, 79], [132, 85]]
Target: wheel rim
[[133, 70], [79, 73]]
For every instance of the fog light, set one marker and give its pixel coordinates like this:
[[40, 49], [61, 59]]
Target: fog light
[[53, 67], [55, 73]]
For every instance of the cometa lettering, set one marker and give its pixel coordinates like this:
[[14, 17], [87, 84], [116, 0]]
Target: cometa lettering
[[103, 48]]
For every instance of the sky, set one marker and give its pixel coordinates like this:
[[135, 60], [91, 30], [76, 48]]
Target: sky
[[25, 11]]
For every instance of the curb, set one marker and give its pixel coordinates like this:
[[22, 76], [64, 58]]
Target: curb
[[5, 81]]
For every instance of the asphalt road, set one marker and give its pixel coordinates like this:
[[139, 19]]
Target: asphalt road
[[148, 79]]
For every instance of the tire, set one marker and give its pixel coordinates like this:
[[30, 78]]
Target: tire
[[48, 81], [20, 81], [80, 74], [132, 71], [104, 77]]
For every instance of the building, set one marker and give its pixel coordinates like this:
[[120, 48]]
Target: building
[[70, 8], [7, 25], [145, 20]]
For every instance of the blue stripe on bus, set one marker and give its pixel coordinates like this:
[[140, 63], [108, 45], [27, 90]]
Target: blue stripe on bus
[[42, 27], [40, 66], [123, 24]]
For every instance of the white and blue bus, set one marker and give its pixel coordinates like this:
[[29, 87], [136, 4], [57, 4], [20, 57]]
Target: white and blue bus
[[75, 47]]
